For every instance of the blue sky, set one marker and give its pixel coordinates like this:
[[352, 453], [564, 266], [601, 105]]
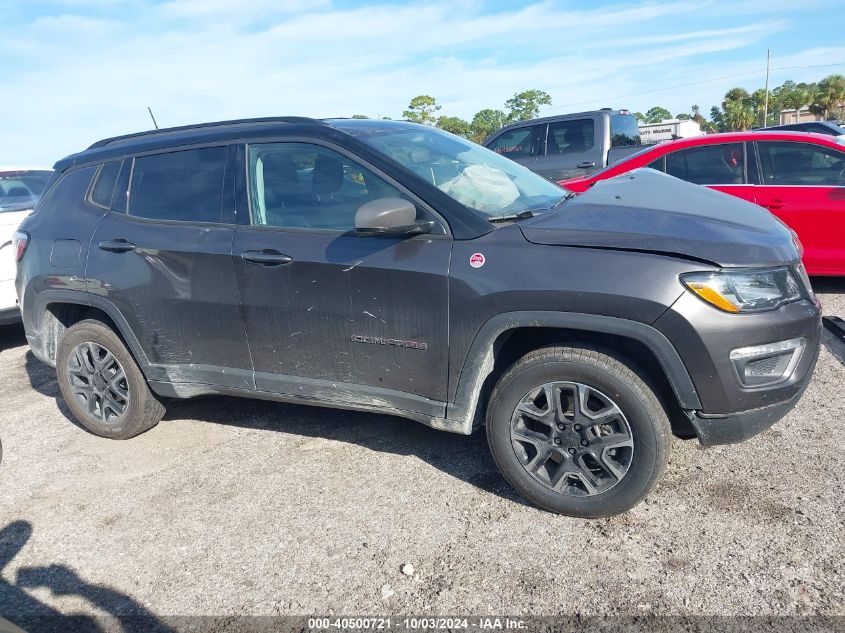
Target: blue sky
[[74, 71]]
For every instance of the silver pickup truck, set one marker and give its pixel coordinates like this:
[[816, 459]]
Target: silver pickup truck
[[569, 145]]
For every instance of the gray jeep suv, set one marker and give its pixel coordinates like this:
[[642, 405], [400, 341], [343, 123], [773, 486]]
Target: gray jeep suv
[[395, 268]]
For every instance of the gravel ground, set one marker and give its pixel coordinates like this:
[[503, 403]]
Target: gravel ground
[[237, 507]]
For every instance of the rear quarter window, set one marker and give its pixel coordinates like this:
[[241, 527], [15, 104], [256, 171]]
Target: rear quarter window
[[68, 192], [101, 193]]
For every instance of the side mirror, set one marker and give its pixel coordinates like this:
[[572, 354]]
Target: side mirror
[[389, 217]]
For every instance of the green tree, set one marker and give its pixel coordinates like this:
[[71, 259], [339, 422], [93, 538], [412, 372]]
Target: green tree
[[758, 105], [698, 117], [717, 120], [737, 110], [639, 116], [683, 116], [738, 115], [829, 101], [737, 95], [657, 114], [794, 96], [455, 125], [421, 109], [485, 122], [526, 105]]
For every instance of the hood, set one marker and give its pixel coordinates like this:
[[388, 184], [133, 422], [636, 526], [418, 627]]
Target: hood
[[645, 210]]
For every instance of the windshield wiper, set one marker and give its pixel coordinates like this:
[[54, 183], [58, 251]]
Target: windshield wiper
[[510, 217], [567, 196]]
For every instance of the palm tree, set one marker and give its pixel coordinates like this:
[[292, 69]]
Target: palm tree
[[796, 96], [830, 96], [758, 103], [736, 94], [738, 115]]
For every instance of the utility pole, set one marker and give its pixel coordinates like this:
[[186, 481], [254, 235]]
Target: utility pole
[[156, 124], [766, 99]]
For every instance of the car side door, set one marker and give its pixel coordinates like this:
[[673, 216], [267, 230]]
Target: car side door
[[719, 166], [521, 144], [804, 185], [332, 314], [161, 256], [571, 148]]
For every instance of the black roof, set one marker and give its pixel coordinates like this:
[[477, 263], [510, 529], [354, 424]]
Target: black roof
[[185, 130], [219, 130]]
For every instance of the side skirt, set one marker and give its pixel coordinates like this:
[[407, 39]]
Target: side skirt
[[310, 391]]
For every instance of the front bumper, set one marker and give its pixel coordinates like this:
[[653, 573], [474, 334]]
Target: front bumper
[[705, 337], [732, 428]]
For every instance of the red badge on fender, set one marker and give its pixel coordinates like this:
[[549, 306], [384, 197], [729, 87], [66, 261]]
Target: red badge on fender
[[477, 260]]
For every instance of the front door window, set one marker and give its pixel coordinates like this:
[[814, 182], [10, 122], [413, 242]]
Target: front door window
[[722, 164]]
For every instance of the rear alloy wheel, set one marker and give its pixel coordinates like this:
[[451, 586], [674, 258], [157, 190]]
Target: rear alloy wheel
[[98, 382], [577, 431], [102, 384]]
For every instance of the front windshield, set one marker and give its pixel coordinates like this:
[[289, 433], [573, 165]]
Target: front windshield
[[469, 173], [21, 189]]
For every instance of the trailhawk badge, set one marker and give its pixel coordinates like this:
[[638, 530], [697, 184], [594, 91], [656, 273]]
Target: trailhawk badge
[[395, 342], [477, 260]]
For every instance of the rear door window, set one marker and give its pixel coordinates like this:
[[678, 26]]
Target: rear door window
[[569, 137], [709, 165], [186, 186], [786, 163], [520, 142]]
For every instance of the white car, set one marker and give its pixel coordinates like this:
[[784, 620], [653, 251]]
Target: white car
[[20, 188]]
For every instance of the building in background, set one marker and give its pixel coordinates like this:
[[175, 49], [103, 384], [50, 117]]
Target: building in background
[[668, 130], [804, 114]]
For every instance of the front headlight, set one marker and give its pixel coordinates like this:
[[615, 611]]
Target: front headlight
[[745, 290]]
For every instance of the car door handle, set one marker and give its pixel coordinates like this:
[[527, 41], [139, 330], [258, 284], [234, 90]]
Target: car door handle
[[585, 165], [267, 257], [117, 246], [774, 204]]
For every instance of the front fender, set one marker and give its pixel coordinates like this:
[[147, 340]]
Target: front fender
[[461, 413]]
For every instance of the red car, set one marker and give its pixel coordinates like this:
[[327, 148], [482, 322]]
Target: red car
[[799, 177]]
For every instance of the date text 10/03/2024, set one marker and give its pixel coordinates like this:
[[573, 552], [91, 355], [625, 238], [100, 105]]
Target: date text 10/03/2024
[[418, 624]]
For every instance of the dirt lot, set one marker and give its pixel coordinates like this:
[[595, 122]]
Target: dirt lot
[[236, 507]]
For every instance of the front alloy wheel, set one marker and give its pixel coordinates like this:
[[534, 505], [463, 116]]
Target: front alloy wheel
[[578, 431], [572, 438]]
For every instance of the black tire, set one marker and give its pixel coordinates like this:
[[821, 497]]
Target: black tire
[[582, 492], [141, 409]]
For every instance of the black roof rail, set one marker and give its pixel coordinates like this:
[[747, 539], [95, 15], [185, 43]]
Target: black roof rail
[[277, 119]]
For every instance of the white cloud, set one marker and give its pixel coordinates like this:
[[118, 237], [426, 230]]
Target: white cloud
[[243, 9], [73, 76]]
